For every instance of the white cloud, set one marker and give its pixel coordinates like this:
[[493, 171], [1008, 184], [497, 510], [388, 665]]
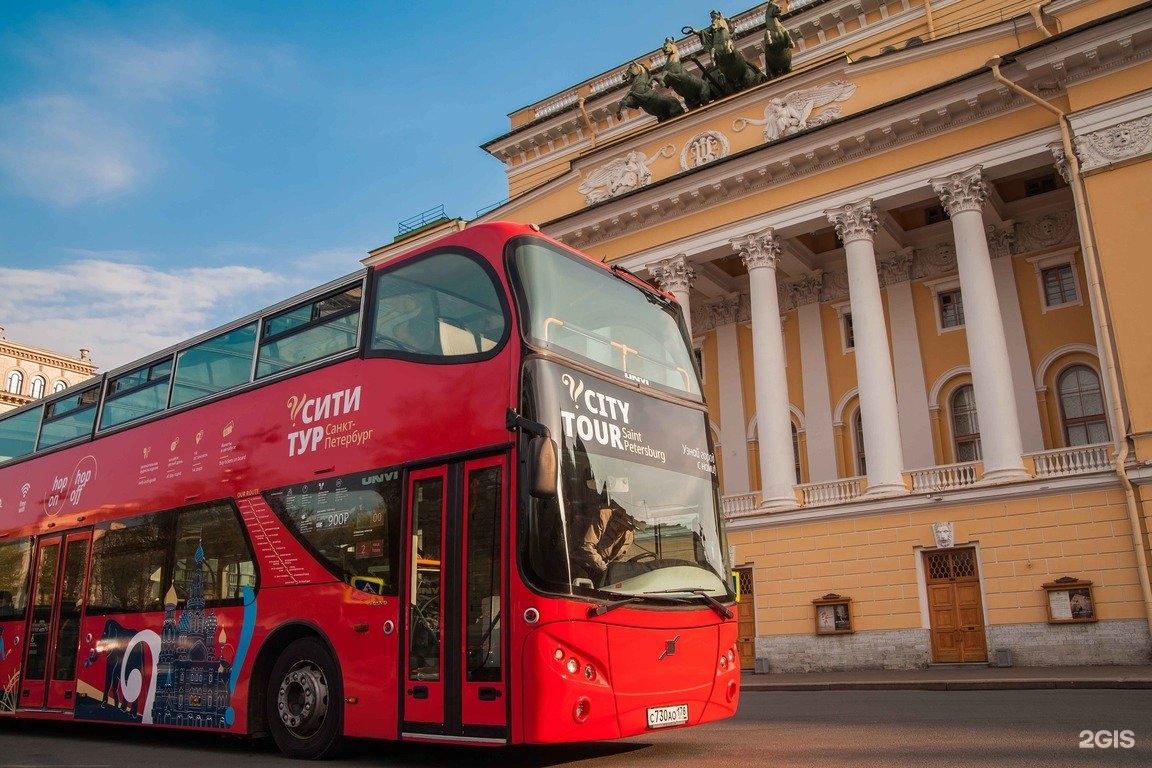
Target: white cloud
[[123, 311], [60, 149]]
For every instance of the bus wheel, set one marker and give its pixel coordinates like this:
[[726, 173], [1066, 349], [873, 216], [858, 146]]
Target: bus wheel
[[304, 702]]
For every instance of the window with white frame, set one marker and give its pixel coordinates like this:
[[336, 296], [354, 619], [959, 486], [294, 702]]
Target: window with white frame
[[1082, 407], [59, 386], [951, 305], [1057, 280], [948, 302], [965, 425], [847, 331], [858, 443], [15, 383], [38, 384]]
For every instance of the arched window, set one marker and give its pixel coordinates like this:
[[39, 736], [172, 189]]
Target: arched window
[[15, 382], [796, 452], [965, 425], [858, 443], [1082, 407], [59, 386], [38, 384]]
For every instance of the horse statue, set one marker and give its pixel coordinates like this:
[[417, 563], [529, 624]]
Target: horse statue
[[738, 73], [695, 91], [778, 43], [642, 94]]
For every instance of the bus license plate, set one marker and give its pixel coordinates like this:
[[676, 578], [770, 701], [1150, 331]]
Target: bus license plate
[[662, 717]]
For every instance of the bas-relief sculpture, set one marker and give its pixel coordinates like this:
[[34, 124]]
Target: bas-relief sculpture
[[623, 174], [793, 112]]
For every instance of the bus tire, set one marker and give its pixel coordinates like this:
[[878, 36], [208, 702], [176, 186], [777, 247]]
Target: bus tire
[[305, 702]]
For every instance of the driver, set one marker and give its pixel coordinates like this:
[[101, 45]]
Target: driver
[[607, 534]]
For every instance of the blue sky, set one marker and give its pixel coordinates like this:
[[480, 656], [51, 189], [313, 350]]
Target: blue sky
[[168, 166]]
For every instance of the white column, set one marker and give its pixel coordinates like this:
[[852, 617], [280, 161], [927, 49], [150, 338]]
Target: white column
[[818, 428], [733, 425], [963, 196], [676, 276], [761, 253], [907, 363], [856, 223]]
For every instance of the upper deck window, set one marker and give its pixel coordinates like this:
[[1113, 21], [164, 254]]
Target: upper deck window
[[18, 434], [217, 364], [572, 305], [137, 394], [446, 305], [69, 418], [310, 331]]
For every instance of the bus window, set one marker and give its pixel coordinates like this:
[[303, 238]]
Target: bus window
[[214, 365], [136, 394], [18, 434], [310, 332], [350, 523], [210, 539], [70, 418], [446, 305], [128, 564], [15, 560]]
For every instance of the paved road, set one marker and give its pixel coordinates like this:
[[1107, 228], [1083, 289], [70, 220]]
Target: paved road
[[793, 729]]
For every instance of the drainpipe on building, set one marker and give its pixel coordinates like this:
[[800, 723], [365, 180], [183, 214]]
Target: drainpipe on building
[[1093, 270], [928, 18], [587, 119]]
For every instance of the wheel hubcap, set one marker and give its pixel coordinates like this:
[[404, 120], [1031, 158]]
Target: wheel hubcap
[[303, 698]]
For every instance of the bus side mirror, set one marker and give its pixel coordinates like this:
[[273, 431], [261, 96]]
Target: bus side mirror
[[542, 467]]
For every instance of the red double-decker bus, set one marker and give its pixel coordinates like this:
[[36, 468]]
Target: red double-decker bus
[[466, 495]]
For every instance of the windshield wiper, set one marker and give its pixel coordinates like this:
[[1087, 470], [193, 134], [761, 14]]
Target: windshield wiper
[[722, 610], [600, 610]]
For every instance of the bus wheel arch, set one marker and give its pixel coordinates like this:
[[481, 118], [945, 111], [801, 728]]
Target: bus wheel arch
[[298, 693]]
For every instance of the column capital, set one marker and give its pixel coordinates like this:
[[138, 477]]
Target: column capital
[[760, 249], [854, 221], [963, 191], [674, 273]]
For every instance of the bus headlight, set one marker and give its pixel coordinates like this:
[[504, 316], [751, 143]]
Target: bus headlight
[[582, 709]]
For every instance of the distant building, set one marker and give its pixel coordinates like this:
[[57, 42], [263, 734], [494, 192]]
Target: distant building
[[913, 270], [30, 373]]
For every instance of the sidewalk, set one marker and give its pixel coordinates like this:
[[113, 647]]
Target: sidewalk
[[976, 677]]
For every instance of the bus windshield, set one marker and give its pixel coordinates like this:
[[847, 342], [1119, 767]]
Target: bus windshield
[[636, 514], [579, 309]]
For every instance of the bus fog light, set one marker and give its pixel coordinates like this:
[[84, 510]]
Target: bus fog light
[[582, 709], [573, 666], [732, 689]]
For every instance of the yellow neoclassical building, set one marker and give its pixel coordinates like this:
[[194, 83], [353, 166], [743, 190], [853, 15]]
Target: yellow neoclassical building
[[917, 274]]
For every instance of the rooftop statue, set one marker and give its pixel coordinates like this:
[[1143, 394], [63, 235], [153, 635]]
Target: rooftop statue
[[729, 67], [778, 43], [642, 94], [694, 90]]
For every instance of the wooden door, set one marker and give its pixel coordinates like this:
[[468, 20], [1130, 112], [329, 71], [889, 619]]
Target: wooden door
[[746, 620], [955, 609]]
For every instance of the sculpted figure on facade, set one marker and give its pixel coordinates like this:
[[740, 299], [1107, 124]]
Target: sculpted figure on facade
[[796, 111], [616, 177], [642, 94], [730, 71], [778, 43], [694, 90]]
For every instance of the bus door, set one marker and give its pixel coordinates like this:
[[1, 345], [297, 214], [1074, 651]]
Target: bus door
[[50, 655], [454, 673]]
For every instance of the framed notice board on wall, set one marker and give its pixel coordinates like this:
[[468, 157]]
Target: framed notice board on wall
[[1070, 600]]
